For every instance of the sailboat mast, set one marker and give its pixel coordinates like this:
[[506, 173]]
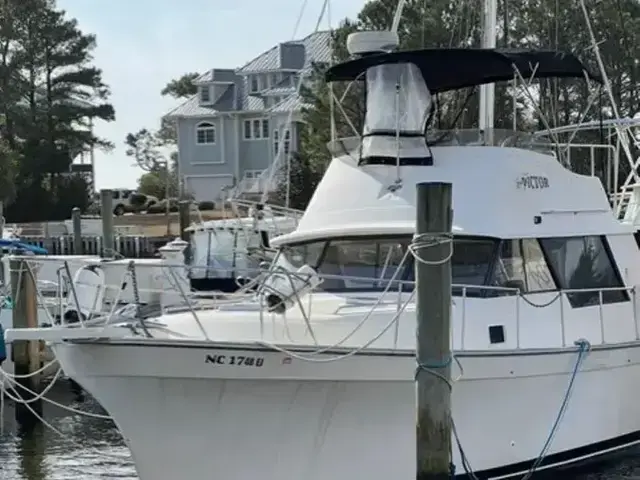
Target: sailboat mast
[[487, 92]]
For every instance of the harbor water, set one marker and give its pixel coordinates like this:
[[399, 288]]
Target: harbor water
[[85, 448]]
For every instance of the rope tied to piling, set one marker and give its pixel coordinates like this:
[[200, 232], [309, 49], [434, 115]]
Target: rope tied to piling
[[423, 241]]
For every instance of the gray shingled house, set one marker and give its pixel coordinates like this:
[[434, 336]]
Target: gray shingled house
[[230, 131]]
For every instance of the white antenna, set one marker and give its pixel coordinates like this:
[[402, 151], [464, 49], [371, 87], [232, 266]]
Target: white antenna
[[487, 91]]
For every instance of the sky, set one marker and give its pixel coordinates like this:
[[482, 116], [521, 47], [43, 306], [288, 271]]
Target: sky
[[142, 44]]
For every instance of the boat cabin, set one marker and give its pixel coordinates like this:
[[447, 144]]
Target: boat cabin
[[522, 221]]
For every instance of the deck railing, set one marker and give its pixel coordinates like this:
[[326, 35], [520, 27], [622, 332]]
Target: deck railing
[[390, 296]]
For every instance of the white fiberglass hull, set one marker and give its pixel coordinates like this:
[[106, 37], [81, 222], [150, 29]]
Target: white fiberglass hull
[[192, 412]]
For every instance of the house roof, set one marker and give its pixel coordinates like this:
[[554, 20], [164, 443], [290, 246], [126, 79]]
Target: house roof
[[296, 55], [314, 48], [292, 102]]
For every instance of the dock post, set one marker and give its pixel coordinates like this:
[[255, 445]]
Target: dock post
[[78, 248], [184, 217], [433, 350], [25, 354], [106, 206]]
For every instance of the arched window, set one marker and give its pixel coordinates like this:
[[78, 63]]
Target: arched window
[[205, 133]]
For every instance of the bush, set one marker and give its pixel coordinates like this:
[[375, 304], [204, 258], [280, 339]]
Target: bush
[[206, 205]]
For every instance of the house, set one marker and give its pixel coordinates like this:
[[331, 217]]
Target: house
[[230, 131]]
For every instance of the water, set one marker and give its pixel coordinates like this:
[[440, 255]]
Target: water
[[91, 448], [88, 448]]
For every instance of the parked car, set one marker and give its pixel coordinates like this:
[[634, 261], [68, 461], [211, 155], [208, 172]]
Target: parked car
[[125, 200]]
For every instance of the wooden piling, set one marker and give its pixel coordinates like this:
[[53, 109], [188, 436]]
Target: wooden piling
[[78, 248], [184, 217], [106, 206], [25, 354], [433, 351]]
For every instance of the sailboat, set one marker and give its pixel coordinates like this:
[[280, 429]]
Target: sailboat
[[313, 376]]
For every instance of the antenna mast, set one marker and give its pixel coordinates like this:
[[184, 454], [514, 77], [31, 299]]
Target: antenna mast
[[487, 92]]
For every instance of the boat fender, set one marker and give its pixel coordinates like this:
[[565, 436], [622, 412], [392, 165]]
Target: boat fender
[[283, 290]]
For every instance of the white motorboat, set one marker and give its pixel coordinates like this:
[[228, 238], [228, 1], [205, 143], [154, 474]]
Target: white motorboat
[[314, 376]]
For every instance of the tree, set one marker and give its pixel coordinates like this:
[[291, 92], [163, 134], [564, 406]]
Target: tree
[[145, 147], [181, 87], [49, 91], [545, 24]]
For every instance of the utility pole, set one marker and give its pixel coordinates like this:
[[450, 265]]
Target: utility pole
[[433, 349]]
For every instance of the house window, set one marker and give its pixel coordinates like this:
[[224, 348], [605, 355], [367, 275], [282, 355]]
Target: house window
[[287, 142], [256, 129], [584, 263], [276, 142], [274, 79], [205, 133], [205, 94], [255, 83]]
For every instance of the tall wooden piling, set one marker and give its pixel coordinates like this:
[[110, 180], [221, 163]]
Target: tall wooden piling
[[25, 354], [106, 206], [433, 352], [184, 218], [76, 221]]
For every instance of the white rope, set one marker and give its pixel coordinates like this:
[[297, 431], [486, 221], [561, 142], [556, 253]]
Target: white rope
[[362, 321], [419, 243], [426, 240]]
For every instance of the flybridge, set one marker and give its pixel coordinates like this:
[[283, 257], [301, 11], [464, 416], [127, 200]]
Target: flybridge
[[400, 85]]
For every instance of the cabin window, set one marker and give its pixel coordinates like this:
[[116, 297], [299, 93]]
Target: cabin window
[[369, 264], [584, 263], [521, 264]]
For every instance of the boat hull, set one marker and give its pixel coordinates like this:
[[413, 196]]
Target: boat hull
[[194, 411]]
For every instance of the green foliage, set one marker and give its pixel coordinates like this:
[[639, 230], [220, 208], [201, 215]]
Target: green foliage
[[182, 87], [548, 24], [146, 147], [49, 92]]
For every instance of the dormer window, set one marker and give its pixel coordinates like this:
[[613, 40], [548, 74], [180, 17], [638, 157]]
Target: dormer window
[[205, 94], [254, 83]]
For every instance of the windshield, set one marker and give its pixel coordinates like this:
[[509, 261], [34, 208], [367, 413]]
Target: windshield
[[370, 263]]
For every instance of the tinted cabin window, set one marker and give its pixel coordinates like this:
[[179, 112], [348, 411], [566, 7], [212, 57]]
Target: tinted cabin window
[[370, 264], [471, 264], [521, 264], [581, 263]]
